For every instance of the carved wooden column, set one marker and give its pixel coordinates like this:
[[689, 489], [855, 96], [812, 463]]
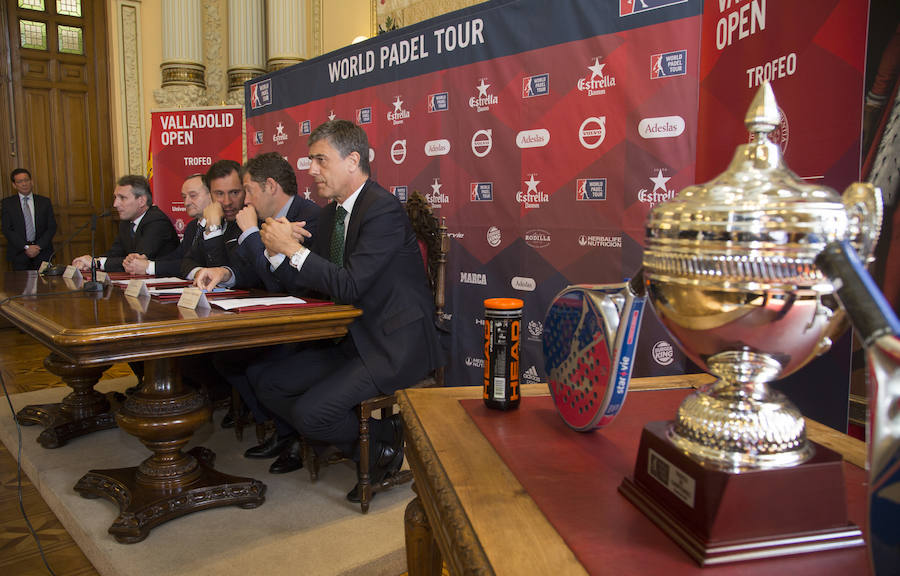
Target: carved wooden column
[[246, 45], [285, 33]]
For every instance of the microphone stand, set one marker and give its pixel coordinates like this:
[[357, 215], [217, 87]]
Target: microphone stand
[[55, 270], [93, 285]]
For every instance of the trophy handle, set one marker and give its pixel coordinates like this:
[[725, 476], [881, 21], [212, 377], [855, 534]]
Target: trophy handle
[[865, 209]]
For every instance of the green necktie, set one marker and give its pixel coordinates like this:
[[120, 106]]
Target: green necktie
[[337, 237]]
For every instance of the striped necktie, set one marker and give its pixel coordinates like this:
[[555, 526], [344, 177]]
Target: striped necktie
[[29, 220]]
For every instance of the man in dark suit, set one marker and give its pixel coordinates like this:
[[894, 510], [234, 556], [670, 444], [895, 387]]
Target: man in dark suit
[[28, 224], [218, 242], [270, 187], [365, 254], [196, 197], [144, 228]]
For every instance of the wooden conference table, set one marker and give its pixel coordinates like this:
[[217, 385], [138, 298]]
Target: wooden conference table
[[88, 332], [473, 511]]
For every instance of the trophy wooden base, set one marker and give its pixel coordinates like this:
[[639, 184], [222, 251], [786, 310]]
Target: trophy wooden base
[[719, 517]]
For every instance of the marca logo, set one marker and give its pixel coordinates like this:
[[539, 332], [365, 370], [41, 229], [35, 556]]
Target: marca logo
[[482, 142], [535, 329], [364, 115], [439, 102], [533, 138], [473, 278], [436, 198], [305, 127], [401, 192], [590, 189], [398, 151], [780, 135], [261, 94], [600, 241], [660, 193], [532, 197], [481, 191], [303, 163], [531, 376], [437, 147], [474, 362], [398, 114], [493, 237], [592, 132], [279, 136], [668, 64], [537, 85], [661, 127], [663, 353], [628, 7], [537, 238], [483, 101], [258, 137], [523, 284], [598, 82]]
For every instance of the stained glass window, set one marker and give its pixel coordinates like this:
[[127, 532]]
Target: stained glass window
[[33, 34], [68, 7], [32, 4], [70, 39]]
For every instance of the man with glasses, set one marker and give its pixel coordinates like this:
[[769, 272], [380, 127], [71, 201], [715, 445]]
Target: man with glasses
[[28, 224]]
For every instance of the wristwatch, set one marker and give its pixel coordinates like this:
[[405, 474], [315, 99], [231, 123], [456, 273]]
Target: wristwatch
[[213, 228], [297, 257]]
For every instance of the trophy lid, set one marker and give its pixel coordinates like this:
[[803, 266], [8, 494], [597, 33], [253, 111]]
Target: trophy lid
[[757, 221]]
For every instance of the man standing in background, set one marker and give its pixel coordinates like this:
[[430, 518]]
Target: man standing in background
[[28, 224]]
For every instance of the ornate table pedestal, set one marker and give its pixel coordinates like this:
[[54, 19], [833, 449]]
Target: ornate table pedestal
[[164, 414], [83, 411]]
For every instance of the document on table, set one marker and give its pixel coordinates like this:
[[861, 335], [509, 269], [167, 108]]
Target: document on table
[[237, 303]]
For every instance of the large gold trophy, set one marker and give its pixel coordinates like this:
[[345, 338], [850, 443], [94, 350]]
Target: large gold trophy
[[729, 268]]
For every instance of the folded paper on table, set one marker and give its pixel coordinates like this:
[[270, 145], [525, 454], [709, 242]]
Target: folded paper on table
[[167, 294], [266, 303]]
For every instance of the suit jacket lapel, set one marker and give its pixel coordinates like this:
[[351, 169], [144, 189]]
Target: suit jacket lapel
[[359, 208]]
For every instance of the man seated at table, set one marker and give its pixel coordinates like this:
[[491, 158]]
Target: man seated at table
[[196, 197], [144, 228], [366, 255], [270, 187]]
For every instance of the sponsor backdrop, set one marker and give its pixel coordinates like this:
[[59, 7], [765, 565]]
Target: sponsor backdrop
[[187, 141], [543, 132]]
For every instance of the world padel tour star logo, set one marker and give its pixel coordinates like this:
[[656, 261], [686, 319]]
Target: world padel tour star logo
[[590, 189], [481, 191], [437, 198], [532, 197], [398, 151], [401, 192], [305, 127], [439, 102], [482, 142], [592, 132], [597, 83], [261, 94], [279, 136], [628, 7], [364, 115], [660, 193], [484, 100], [668, 64], [398, 114], [537, 85]]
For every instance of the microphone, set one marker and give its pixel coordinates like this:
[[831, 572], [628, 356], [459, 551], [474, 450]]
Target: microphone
[[53, 269], [93, 285]]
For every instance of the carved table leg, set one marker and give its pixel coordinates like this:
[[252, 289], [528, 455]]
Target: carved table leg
[[423, 557], [163, 414], [83, 411]]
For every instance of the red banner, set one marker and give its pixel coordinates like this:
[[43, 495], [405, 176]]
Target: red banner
[[187, 141]]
